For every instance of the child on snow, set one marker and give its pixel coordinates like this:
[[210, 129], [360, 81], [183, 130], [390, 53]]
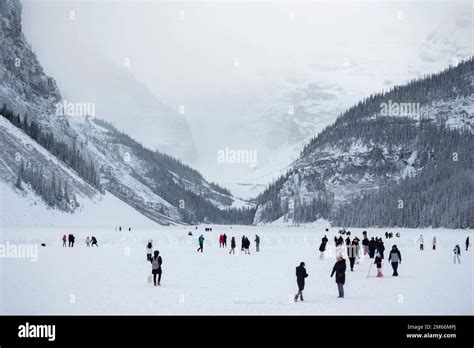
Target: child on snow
[[149, 249], [378, 262]]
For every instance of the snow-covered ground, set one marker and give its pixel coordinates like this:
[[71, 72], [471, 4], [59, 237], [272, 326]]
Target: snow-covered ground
[[112, 279]]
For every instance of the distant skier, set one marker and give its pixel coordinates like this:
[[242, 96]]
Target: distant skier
[[421, 241], [65, 240], [201, 243], [225, 240], [457, 253], [156, 262], [340, 270], [94, 242], [149, 249], [395, 257], [378, 263], [257, 243], [300, 277], [467, 243], [88, 241], [232, 246], [434, 243], [322, 249]]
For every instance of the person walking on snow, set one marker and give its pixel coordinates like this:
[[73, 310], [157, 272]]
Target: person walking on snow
[[325, 239], [457, 253], [395, 257], [434, 243], [225, 240], [242, 243], [201, 243], [322, 249], [94, 242], [300, 277], [156, 262], [372, 245], [247, 246], [351, 253], [88, 241], [340, 270], [232, 246], [149, 249], [421, 241], [257, 242], [221, 241], [378, 262], [467, 243], [65, 240], [365, 245]]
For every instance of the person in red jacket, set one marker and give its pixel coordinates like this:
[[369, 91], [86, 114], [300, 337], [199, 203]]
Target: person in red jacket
[[221, 241]]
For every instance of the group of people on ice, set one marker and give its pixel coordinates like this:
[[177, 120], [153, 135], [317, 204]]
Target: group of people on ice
[[456, 249], [70, 239], [244, 245]]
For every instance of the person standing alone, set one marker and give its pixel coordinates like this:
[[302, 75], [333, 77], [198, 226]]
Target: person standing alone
[[421, 241], [434, 243], [257, 243], [201, 243], [156, 262], [457, 253], [395, 257], [340, 270], [300, 277]]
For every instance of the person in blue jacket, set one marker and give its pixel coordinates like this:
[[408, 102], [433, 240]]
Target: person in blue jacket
[[201, 243]]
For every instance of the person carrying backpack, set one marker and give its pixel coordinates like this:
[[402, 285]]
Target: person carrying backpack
[[156, 262]]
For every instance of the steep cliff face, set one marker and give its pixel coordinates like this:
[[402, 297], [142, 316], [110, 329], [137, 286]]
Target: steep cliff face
[[24, 86], [69, 162], [413, 130]]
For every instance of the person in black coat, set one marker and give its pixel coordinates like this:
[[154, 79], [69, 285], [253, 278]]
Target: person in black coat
[[372, 247], [340, 241], [348, 241], [340, 270], [232, 246], [225, 240], [322, 249], [300, 277], [325, 239], [156, 262]]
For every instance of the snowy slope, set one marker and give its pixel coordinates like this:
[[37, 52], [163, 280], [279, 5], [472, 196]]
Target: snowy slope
[[31, 212]]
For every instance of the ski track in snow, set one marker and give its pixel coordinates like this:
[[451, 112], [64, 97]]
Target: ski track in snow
[[112, 279]]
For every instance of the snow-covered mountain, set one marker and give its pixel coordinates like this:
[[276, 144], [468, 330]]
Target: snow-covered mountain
[[368, 148], [73, 163]]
